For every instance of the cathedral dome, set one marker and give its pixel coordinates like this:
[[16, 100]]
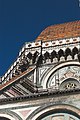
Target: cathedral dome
[[60, 31]]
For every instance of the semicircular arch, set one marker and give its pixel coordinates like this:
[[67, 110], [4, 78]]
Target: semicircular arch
[[53, 109], [52, 70]]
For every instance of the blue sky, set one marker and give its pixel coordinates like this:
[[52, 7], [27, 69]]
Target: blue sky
[[23, 20]]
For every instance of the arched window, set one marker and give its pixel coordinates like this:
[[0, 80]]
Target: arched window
[[67, 53], [3, 118], [60, 116], [69, 83], [74, 52]]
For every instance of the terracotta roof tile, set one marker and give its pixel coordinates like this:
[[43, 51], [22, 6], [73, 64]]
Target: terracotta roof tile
[[60, 31]]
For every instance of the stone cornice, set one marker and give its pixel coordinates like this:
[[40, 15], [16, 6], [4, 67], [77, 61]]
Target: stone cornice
[[36, 96]]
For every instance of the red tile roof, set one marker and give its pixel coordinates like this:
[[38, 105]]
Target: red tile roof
[[60, 31]]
